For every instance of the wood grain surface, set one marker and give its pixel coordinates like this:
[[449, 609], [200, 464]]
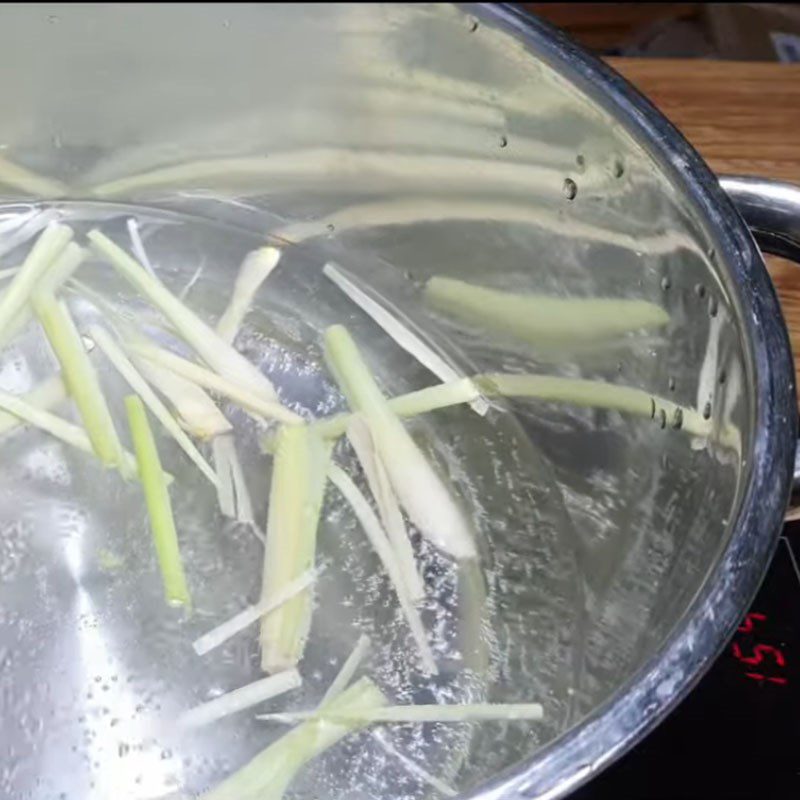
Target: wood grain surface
[[743, 118]]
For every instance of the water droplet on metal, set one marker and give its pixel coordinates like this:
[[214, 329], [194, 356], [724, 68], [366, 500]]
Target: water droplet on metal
[[700, 290], [671, 384], [617, 167], [473, 25], [570, 189], [504, 141]]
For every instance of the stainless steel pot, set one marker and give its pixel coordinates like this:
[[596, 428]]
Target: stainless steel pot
[[405, 141]]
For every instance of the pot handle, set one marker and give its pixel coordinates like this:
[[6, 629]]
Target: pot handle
[[771, 209]]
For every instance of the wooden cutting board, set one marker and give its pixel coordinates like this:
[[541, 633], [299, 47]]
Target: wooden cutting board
[[743, 118]]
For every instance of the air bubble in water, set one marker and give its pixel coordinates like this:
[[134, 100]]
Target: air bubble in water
[[570, 189], [707, 411], [666, 283], [662, 419], [677, 419]]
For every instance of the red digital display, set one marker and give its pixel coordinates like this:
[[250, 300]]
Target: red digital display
[[770, 660]]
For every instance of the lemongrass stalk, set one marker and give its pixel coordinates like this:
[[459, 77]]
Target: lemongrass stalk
[[47, 248], [44, 396], [240, 699], [9, 272], [218, 354], [295, 500], [241, 395], [377, 537], [159, 507], [411, 404], [388, 508], [255, 269], [421, 491], [196, 411], [139, 385], [220, 634], [80, 377], [433, 712], [269, 774], [348, 670], [415, 769], [234, 497], [24, 179], [61, 429], [540, 319], [394, 328]]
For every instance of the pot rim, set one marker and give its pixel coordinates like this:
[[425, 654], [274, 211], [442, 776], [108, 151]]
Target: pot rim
[[711, 618]]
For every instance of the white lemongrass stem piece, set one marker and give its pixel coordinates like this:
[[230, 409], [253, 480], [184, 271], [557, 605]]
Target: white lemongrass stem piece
[[420, 401], [377, 537], [535, 318], [137, 245], [246, 617], [46, 249], [218, 354], [348, 670], [234, 497], [195, 410], [394, 328], [298, 484], [134, 379], [421, 491], [388, 508], [415, 769], [433, 712], [9, 272], [17, 177], [80, 376], [233, 390], [269, 774], [255, 269], [44, 396], [239, 699]]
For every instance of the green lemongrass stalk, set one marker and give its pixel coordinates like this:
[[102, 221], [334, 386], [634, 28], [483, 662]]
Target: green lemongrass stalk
[[240, 699], [465, 712], [232, 492], [159, 508], [538, 319], [380, 543], [80, 377], [61, 429], [139, 385], [196, 411], [220, 634], [421, 401], [47, 248], [24, 179], [269, 774], [295, 501], [388, 508], [255, 269], [399, 332], [217, 353], [421, 491], [242, 395], [44, 396], [348, 670]]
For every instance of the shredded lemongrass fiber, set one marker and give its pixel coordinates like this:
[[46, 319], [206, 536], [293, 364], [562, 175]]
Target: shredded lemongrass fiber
[[44, 396], [348, 669]]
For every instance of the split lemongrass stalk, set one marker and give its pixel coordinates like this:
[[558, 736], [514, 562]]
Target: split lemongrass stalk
[[220, 634], [47, 248], [159, 507], [421, 491], [388, 507], [269, 774], [298, 484], [433, 712], [234, 497], [538, 319], [240, 699], [80, 376], [196, 411], [217, 353], [400, 333], [415, 769], [44, 396], [380, 542], [242, 395], [117, 357], [17, 177], [348, 670], [255, 269], [421, 401]]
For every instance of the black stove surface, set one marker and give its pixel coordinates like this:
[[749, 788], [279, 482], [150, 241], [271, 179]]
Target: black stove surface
[[737, 735]]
